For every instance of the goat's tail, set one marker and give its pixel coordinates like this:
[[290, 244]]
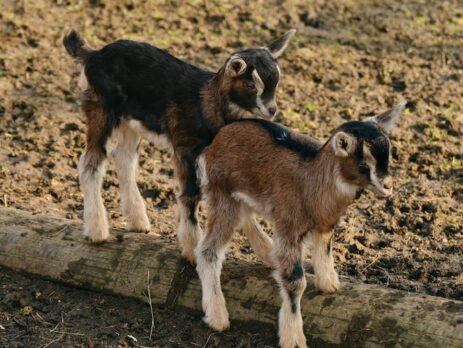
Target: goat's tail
[[75, 45]]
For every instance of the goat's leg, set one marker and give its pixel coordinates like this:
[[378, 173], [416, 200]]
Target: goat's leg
[[126, 161], [287, 257], [326, 278], [92, 170], [210, 253], [188, 231], [258, 239]]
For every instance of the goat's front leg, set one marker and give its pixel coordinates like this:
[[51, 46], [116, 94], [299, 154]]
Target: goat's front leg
[[210, 253], [188, 231], [326, 278], [288, 256], [126, 162]]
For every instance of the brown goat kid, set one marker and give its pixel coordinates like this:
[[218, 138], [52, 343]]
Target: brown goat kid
[[300, 185], [134, 90]]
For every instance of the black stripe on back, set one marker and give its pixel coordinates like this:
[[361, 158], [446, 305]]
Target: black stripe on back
[[282, 136]]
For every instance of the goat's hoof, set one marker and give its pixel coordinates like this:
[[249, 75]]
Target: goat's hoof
[[138, 224], [301, 341], [328, 284], [138, 227], [292, 342], [217, 322], [96, 236]]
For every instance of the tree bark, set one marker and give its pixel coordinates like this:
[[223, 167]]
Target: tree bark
[[359, 315]]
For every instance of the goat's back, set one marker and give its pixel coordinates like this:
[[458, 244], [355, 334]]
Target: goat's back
[[141, 71], [252, 153]]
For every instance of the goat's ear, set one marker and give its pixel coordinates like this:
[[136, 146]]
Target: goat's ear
[[343, 144], [236, 66], [388, 120], [277, 47]]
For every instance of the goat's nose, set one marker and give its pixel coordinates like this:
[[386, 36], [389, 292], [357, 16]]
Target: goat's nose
[[272, 110], [387, 183]]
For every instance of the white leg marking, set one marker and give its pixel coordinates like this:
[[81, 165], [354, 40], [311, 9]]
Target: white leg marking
[[290, 324], [126, 163], [96, 226], [326, 278], [209, 268], [188, 234]]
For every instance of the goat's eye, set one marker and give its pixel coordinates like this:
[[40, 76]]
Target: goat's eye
[[250, 86], [363, 166]]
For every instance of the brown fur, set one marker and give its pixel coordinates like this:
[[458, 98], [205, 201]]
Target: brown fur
[[278, 177], [302, 187], [96, 125]]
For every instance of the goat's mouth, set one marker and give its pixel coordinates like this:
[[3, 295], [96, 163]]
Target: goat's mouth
[[263, 113], [383, 190]]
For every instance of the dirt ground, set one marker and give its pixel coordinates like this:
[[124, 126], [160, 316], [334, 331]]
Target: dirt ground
[[348, 60]]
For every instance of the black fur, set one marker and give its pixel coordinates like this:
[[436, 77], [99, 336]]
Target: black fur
[[74, 43], [262, 61], [284, 137], [296, 274], [134, 80], [379, 144], [292, 298], [138, 80]]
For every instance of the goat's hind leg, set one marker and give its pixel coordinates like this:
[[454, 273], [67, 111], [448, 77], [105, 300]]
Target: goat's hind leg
[[92, 170], [289, 273], [188, 231], [126, 162], [259, 240], [210, 253]]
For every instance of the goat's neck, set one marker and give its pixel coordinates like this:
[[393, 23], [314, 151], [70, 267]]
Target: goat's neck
[[325, 182], [216, 104]]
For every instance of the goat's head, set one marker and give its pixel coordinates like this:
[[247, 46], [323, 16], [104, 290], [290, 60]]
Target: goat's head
[[250, 78], [363, 148]]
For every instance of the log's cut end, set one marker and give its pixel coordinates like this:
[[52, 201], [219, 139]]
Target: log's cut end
[[359, 315]]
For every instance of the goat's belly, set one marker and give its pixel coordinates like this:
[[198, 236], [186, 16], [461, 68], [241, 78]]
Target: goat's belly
[[161, 141], [257, 207]]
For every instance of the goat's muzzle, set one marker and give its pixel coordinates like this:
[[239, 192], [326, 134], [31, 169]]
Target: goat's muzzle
[[382, 187], [265, 113]]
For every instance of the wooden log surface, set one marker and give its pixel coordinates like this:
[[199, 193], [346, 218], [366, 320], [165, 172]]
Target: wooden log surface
[[359, 315]]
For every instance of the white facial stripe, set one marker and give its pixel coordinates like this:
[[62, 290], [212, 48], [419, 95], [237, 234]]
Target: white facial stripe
[[258, 82], [260, 104], [371, 162], [260, 89], [83, 82]]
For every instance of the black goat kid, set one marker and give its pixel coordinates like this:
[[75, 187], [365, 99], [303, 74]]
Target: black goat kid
[[135, 90]]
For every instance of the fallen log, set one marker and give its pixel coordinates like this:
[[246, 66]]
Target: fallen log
[[359, 315]]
